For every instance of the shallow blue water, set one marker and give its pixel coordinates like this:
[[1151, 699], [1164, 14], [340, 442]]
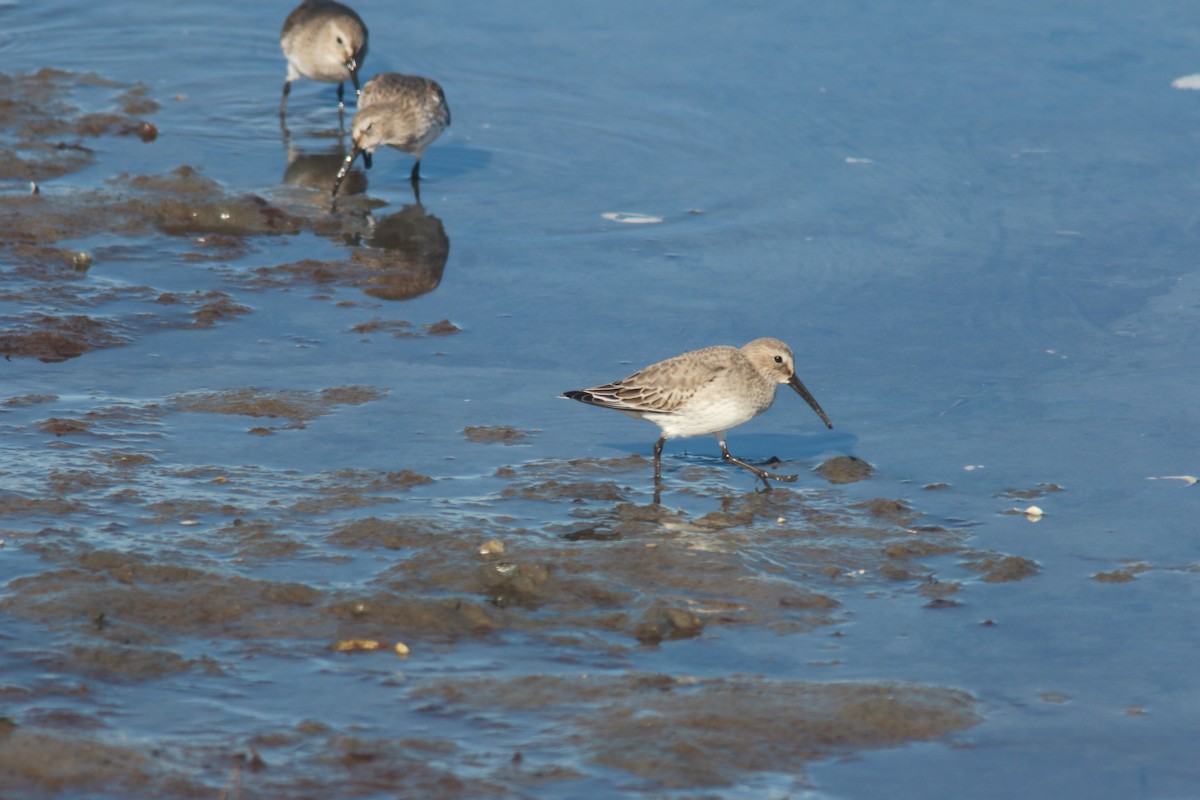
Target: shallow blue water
[[976, 225]]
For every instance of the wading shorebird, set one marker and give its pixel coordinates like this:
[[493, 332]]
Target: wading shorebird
[[401, 111], [703, 392], [322, 41]]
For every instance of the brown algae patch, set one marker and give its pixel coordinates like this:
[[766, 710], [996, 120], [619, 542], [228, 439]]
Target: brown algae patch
[[40, 126], [28, 400], [181, 202], [595, 580], [998, 568], [127, 600], [58, 337], [213, 307], [1124, 574], [1032, 493], [297, 405], [39, 132], [371, 533], [844, 469], [62, 426], [658, 575], [312, 760], [687, 732], [741, 563], [52, 338], [33, 762], [401, 329], [349, 488], [495, 434], [403, 254]]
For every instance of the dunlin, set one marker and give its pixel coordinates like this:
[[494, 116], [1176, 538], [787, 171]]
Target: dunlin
[[323, 41], [705, 391], [401, 111]]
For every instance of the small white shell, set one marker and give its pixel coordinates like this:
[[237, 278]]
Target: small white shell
[[1189, 480], [630, 218]]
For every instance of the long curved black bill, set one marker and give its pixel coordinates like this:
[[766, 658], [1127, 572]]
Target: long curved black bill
[[801, 390], [341, 176]]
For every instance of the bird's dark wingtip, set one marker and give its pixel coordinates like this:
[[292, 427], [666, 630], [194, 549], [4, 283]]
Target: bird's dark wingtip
[[583, 397]]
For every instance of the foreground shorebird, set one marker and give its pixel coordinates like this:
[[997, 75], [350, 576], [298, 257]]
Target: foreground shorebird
[[323, 41], [402, 111], [705, 391]]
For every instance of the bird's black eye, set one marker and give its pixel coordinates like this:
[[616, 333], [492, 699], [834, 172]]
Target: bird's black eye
[[340, 40], [778, 359]]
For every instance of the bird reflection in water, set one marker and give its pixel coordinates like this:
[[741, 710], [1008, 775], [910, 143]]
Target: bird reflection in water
[[318, 170], [406, 253], [398, 256]]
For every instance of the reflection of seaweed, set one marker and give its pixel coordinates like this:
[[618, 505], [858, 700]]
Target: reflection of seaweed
[[407, 253]]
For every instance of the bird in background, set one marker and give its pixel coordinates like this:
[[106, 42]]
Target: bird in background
[[704, 392], [406, 112], [323, 41]]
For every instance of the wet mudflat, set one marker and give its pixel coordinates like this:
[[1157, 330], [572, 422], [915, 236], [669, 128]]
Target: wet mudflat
[[289, 507]]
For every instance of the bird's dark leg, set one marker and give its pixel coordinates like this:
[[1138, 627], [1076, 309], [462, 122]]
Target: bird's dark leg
[[658, 446], [414, 178], [287, 88], [341, 108], [762, 474]]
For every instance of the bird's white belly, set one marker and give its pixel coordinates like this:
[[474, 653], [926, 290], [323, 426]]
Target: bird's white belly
[[707, 414]]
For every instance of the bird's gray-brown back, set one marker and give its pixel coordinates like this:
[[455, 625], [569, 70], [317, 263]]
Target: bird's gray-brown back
[[403, 111], [669, 385]]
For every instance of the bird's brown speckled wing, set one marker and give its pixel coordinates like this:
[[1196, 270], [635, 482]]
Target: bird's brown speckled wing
[[386, 87], [664, 387]]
